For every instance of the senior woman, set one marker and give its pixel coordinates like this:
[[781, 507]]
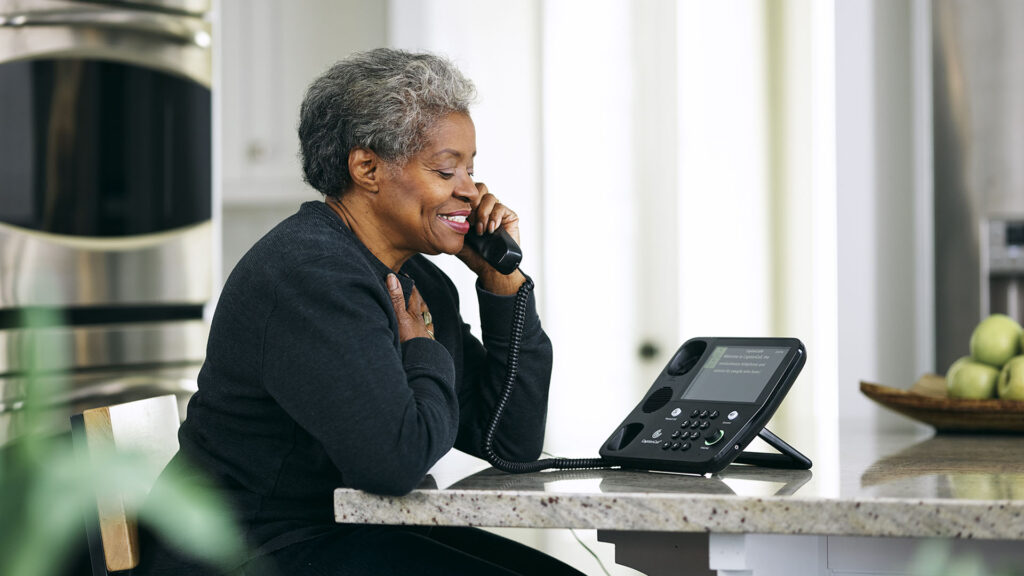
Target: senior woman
[[337, 355]]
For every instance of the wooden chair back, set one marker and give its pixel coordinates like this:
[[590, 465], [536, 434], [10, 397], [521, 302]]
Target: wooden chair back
[[146, 427]]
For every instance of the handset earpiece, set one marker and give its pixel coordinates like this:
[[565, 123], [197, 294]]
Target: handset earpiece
[[497, 248]]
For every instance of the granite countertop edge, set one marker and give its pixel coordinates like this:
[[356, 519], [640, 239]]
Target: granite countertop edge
[[680, 512]]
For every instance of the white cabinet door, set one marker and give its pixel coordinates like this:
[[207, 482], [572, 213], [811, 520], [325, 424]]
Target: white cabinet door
[[270, 51]]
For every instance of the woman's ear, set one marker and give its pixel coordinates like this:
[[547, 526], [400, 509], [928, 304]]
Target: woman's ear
[[364, 166]]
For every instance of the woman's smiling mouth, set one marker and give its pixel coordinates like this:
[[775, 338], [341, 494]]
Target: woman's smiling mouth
[[456, 220]]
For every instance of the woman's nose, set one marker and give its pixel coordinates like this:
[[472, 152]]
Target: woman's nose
[[466, 188]]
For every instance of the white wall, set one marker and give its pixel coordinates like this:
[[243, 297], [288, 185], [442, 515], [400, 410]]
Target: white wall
[[726, 259], [802, 151], [655, 184], [884, 277], [589, 203]]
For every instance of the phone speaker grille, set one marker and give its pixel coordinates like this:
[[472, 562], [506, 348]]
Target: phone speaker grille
[[655, 401]]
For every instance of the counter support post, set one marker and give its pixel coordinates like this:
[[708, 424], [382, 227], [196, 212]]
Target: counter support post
[[660, 553], [767, 555]]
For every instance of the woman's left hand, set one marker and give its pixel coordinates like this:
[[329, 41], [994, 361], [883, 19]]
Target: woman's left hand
[[488, 215]]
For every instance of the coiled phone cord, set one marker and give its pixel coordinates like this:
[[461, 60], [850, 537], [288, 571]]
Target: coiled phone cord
[[511, 371]]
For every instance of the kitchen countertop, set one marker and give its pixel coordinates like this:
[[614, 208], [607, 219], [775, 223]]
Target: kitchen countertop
[[900, 485]]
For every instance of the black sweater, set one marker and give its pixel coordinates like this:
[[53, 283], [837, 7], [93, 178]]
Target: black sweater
[[307, 388]]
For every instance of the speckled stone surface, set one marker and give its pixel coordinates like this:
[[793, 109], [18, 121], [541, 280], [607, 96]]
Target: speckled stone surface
[[949, 487]]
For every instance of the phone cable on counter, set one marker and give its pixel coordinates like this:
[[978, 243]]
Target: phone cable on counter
[[511, 370]]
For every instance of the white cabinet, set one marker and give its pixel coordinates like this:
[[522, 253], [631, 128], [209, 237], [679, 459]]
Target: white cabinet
[[270, 50]]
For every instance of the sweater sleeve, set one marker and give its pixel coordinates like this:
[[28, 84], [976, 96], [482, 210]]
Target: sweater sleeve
[[520, 435], [384, 412]]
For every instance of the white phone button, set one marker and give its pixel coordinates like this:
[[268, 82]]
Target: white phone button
[[733, 415], [676, 412]]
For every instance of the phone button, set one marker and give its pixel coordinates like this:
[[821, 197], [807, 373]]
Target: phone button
[[733, 415], [716, 436]]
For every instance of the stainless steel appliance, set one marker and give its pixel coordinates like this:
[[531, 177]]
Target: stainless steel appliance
[[978, 97], [105, 200]]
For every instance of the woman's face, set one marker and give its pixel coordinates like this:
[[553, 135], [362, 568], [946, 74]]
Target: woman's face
[[427, 201]]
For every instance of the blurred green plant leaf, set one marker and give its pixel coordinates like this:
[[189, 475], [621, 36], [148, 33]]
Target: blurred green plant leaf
[[191, 516], [45, 491]]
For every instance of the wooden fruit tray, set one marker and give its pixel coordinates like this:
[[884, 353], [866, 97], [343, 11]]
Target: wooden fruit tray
[[926, 402]]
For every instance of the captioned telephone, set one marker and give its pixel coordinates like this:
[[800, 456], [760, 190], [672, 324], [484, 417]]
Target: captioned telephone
[[710, 401]]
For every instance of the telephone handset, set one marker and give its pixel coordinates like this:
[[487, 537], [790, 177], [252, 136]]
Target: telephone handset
[[497, 248]]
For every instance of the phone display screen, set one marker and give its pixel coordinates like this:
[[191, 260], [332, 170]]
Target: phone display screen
[[735, 373]]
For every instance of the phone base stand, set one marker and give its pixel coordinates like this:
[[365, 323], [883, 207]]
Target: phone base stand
[[788, 458]]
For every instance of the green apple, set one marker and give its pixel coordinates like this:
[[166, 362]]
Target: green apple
[[1014, 486], [967, 378], [974, 486], [995, 340], [1011, 380]]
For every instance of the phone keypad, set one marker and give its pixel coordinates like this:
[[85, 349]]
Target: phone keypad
[[700, 419]]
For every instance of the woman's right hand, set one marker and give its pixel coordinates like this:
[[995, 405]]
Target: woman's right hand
[[412, 319]]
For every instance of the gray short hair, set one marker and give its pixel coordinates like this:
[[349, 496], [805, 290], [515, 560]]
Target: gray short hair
[[384, 100]]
